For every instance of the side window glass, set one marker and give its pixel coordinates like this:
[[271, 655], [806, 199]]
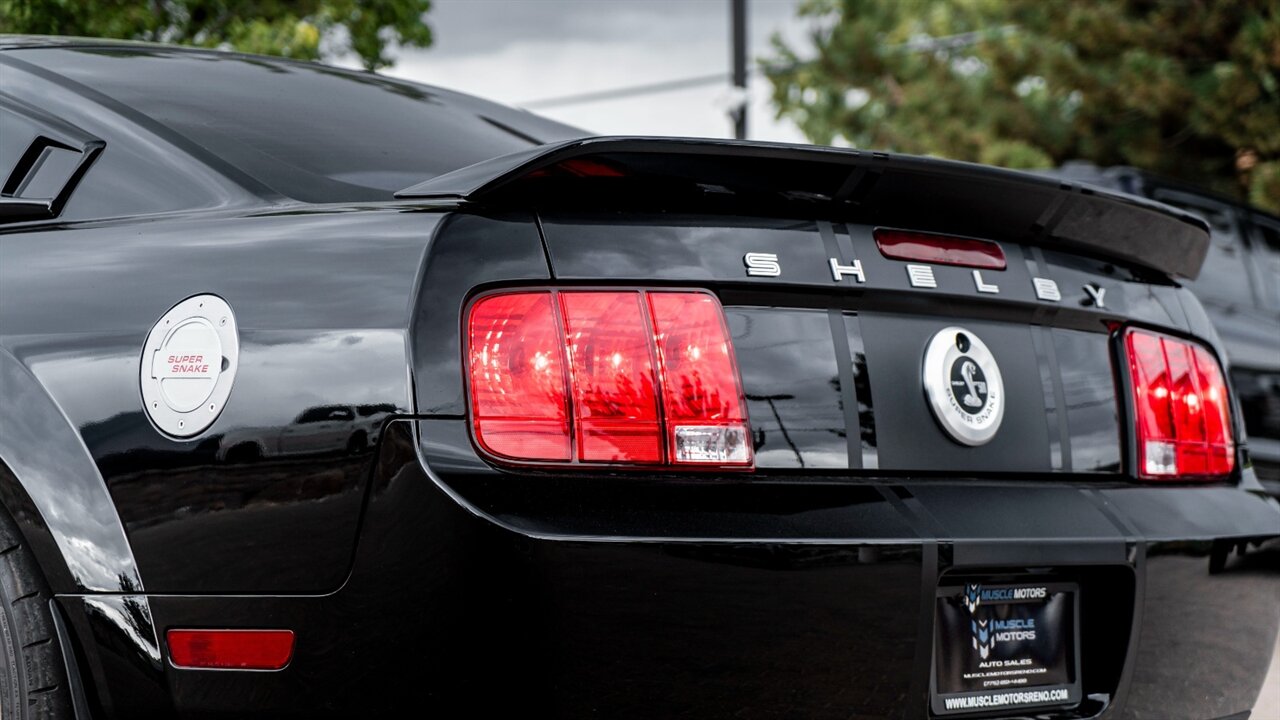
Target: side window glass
[[1224, 278], [312, 415], [1267, 256], [117, 168]]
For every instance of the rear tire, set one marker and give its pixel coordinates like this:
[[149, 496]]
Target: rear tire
[[246, 452], [33, 678], [358, 443]]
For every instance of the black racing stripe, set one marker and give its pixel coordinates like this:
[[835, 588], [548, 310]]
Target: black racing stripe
[[923, 667], [848, 391], [1059, 397], [828, 234], [1055, 413], [867, 438]]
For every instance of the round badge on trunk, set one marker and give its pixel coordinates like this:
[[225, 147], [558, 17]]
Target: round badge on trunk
[[963, 384], [188, 365]]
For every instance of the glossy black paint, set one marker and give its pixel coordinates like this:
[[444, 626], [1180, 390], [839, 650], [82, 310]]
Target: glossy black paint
[[910, 440], [817, 590], [876, 188], [148, 168], [52, 488], [315, 293], [1091, 415], [790, 348], [475, 251], [339, 493], [281, 150], [117, 649], [672, 248], [798, 415]]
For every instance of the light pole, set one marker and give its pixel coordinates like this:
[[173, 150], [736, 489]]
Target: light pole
[[738, 113]]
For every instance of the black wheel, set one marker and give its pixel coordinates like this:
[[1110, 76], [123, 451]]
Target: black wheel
[[244, 453], [33, 679], [1218, 555], [358, 443]]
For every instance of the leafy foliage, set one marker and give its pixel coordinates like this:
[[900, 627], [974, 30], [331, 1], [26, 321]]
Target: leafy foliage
[[304, 29], [1184, 88]]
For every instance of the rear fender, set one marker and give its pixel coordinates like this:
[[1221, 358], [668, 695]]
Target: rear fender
[[52, 488]]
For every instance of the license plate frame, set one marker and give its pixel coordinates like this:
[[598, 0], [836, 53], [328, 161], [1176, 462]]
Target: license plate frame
[[1031, 634]]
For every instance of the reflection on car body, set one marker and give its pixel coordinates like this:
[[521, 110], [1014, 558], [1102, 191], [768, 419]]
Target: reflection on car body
[[321, 429]]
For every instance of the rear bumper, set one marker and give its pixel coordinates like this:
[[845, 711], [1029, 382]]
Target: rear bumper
[[713, 600]]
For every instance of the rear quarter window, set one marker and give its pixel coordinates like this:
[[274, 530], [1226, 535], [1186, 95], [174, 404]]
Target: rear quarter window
[[135, 173], [308, 131]]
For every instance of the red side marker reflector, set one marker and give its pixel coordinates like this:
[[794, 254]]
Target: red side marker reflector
[[231, 649], [939, 249]]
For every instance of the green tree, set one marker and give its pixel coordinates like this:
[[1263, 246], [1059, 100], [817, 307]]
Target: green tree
[[1184, 88], [304, 29]]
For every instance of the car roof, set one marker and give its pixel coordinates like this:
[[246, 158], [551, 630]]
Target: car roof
[[306, 130]]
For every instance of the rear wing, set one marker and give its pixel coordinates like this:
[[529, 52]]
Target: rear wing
[[918, 193]]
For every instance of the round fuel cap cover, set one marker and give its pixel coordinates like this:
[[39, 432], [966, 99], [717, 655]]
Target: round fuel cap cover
[[963, 385], [189, 364]]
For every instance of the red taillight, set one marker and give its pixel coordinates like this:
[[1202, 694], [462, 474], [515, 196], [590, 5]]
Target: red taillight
[[939, 249], [702, 396], [518, 402], [619, 377], [615, 398], [231, 649], [1182, 420]]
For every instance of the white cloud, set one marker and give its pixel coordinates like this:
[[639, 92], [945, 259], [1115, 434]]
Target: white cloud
[[516, 51]]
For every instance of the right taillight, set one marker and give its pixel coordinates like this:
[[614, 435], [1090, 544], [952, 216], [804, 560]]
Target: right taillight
[[630, 377], [1181, 408]]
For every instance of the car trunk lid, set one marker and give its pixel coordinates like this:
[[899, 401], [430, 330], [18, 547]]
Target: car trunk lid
[[830, 332]]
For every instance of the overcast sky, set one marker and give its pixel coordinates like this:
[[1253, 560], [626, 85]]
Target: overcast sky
[[519, 51]]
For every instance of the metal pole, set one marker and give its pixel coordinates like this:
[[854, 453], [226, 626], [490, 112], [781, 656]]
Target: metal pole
[[738, 114]]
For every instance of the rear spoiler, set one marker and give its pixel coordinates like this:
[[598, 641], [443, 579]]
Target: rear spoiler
[[844, 185]]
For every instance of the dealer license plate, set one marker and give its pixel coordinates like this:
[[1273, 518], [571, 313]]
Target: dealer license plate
[[1006, 647]]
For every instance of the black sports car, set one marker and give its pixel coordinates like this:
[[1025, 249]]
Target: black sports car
[[328, 394]]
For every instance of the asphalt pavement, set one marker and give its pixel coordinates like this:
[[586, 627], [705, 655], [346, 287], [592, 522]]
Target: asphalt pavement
[[1268, 705]]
